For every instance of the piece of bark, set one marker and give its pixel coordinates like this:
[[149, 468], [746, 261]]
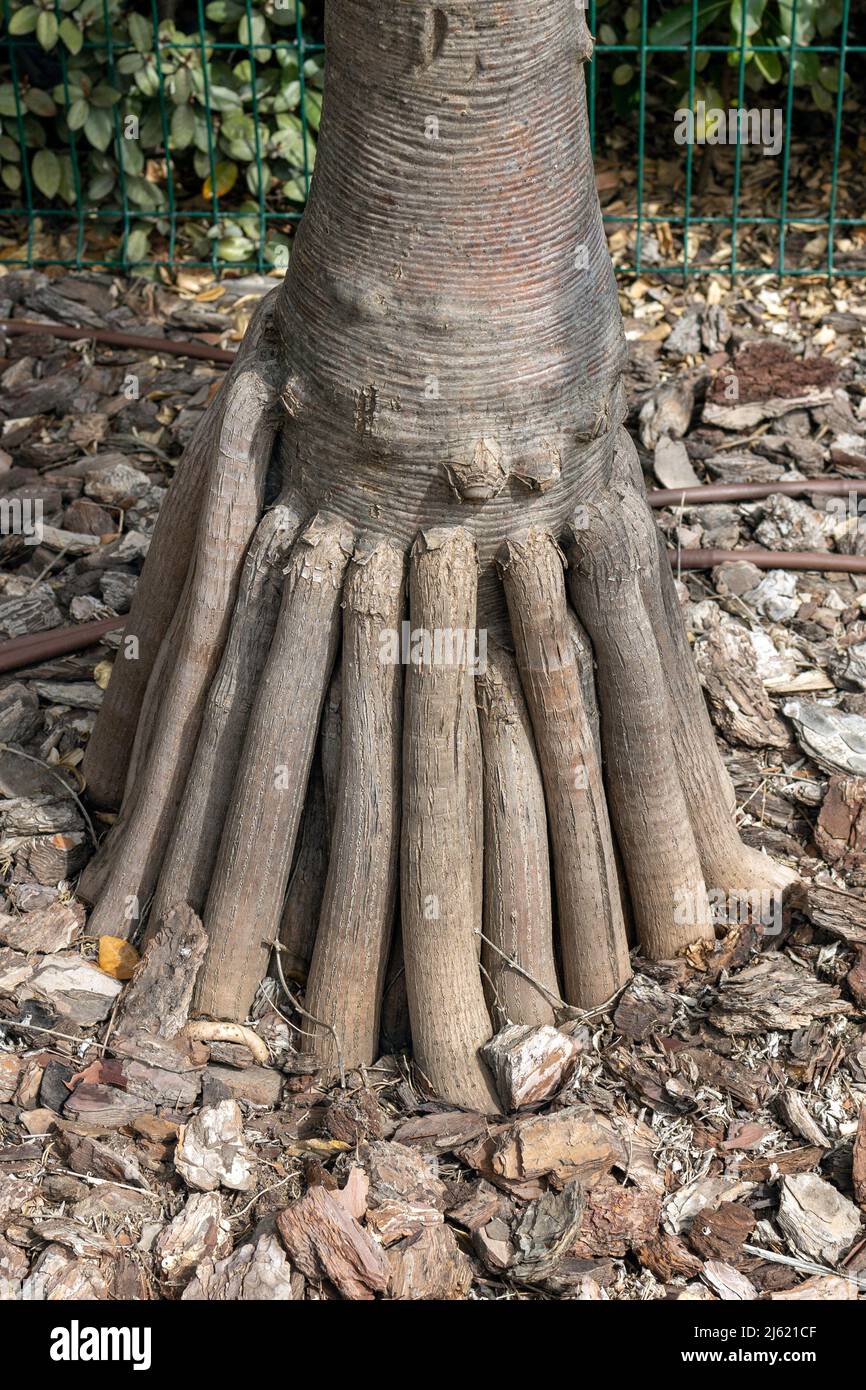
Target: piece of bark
[[405, 1194], [720, 1234], [10, 1072], [728, 1283], [443, 1131], [774, 994], [84, 1154], [255, 1085], [615, 1220], [47, 930], [667, 1257], [354, 1116], [429, 1265], [355, 1192], [840, 833], [197, 1232], [764, 1167], [792, 1108], [688, 1202], [816, 1220], [723, 1073], [841, 914], [212, 1152], [529, 1063], [643, 1008], [568, 1144], [325, 1242], [822, 1288], [156, 1002], [258, 1271], [106, 1106], [545, 1232], [74, 988], [20, 715], [741, 709], [55, 857], [856, 978]]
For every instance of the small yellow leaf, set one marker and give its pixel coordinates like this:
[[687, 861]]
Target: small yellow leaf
[[117, 958], [102, 673], [226, 178]]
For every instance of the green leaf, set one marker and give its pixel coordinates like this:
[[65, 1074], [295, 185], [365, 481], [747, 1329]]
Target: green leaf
[[182, 127], [46, 172], [769, 66], [99, 128], [753, 16], [77, 114], [103, 95], [8, 105], [676, 26], [71, 35], [235, 248], [100, 186], [138, 244], [141, 33], [39, 103], [24, 22], [11, 177], [47, 29]]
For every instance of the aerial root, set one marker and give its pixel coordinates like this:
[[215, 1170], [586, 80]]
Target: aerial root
[[252, 867], [357, 914], [592, 940]]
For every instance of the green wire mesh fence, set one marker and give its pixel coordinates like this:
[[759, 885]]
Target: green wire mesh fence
[[139, 134]]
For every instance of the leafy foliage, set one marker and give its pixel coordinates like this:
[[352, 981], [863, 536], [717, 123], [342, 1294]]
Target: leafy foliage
[[761, 24], [90, 110]]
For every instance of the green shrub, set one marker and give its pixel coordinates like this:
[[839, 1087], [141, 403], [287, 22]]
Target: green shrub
[[766, 23], [95, 107]]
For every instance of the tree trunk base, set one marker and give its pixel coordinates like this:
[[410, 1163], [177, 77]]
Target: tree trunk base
[[533, 756]]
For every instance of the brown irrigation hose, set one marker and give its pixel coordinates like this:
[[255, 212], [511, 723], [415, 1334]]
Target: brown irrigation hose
[[177, 347], [57, 641], [745, 492], [828, 561]]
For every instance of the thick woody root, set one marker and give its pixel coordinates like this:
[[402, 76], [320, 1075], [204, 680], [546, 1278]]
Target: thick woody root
[[517, 956], [592, 939], [729, 866], [159, 590], [188, 864], [356, 920], [123, 875], [439, 898], [251, 872], [609, 551]]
